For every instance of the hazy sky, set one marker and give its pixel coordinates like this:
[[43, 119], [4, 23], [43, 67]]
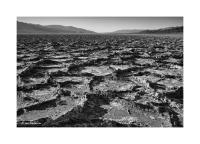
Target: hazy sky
[[107, 24]]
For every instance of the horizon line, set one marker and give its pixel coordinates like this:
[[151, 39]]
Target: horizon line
[[101, 32]]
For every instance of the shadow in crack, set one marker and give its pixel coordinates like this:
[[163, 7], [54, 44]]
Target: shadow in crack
[[93, 123], [177, 94], [88, 115], [38, 106]]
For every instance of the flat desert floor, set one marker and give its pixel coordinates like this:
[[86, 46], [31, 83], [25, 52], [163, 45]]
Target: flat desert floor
[[99, 81]]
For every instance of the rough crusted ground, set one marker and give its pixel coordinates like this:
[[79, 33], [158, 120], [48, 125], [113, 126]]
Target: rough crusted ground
[[99, 81]]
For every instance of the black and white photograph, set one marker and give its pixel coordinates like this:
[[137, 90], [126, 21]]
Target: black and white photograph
[[100, 71]]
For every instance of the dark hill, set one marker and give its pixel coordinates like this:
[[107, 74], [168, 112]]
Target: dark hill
[[69, 29], [127, 31], [27, 28], [169, 30]]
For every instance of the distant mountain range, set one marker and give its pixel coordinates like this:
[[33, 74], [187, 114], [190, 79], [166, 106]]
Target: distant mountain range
[[28, 28], [127, 31], [168, 30]]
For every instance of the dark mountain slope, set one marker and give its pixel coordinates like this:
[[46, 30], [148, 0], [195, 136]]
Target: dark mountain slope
[[68, 29], [27, 28], [169, 30], [127, 31]]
